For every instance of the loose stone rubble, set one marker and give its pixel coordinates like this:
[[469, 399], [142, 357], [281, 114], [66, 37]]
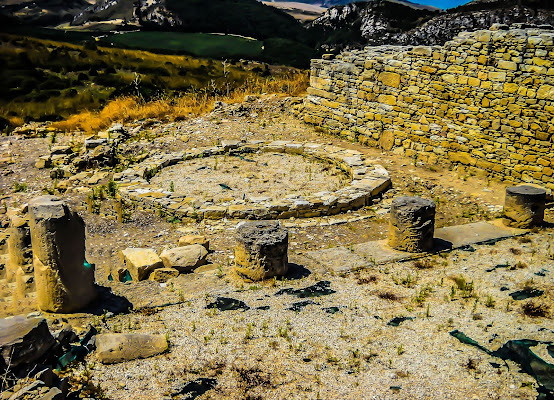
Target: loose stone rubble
[[118, 347]]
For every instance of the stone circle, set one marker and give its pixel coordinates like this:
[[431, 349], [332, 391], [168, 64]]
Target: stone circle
[[367, 181]]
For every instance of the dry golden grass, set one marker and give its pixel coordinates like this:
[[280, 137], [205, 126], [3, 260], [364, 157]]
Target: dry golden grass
[[127, 109]]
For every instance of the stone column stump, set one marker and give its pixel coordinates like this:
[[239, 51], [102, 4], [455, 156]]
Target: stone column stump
[[261, 250], [412, 224], [63, 282], [524, 206]]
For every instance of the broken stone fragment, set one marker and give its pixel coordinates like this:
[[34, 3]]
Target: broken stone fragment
[[118, 347], [194, 239], [261, 250], [23, 340], [140, 262], [63, 282], [186, 258], [163, 274]]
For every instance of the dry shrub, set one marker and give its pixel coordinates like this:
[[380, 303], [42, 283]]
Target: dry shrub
[[515, 251], [125, 109], [535, 309], [367, 279], [388, 296], [424, 263]]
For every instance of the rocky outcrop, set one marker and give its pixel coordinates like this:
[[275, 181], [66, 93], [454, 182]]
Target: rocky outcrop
[[387, 23]]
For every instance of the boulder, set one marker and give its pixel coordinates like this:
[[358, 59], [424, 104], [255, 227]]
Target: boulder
[[184, 259], [118, 347], [64, 283], [140, 262], [163, 274], [23, 340], [194, 239]]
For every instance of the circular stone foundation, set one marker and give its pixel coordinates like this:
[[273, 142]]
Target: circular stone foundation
[[255, 181], [253, 177]]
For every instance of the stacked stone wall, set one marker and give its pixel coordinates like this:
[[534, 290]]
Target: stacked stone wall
[[483, 101]]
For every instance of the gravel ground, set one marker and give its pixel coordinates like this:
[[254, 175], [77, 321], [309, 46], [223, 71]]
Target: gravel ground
[[352, 354], [268, 175], [278, 353]]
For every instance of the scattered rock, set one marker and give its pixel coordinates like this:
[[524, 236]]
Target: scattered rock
[[186, 258], [194, 239], [140, 262], [23, 340], [118, 347], [163, 274]]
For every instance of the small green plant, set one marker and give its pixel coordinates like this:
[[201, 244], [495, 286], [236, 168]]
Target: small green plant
[[220, 273], [490, 302], [19, 187], [466, 289], [422, 295], [249, 332], [111, 189], [172, 186], [400, 350], [407, 281]]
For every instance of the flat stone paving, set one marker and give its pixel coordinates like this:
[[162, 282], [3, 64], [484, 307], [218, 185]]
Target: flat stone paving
[[342, 259]]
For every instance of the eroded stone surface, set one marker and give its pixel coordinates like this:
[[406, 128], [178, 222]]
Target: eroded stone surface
[[524, 206], [63, 282], [23, 340], [261, 250], [118, 347], [412, 224]]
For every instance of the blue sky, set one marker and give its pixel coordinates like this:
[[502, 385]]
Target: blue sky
[[444, 4]]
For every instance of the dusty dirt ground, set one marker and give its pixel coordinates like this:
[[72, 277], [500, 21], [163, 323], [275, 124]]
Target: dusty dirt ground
[[311, 353]]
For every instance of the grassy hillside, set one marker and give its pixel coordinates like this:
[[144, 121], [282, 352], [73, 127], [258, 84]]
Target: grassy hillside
[[49, 80], [242, 17], [196, 44]]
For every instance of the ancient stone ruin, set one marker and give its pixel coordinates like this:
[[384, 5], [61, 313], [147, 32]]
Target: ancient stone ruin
[[261, 250], [483, 101], [524, 206], [367, 181], [412, 224], [46, 265]]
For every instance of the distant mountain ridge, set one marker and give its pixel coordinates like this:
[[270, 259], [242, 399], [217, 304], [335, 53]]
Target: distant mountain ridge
[[382, 22]]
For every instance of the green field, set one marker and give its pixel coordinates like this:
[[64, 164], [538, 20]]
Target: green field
[[196, 44]]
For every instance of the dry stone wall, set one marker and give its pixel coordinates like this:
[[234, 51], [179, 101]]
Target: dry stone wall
[[483, 101]]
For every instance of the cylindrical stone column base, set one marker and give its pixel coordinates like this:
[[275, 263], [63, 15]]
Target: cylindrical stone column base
[[261, 250], [63, 282], [524, 206], [412, 224]]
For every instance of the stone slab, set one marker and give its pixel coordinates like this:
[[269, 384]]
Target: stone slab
[[342, 260], [339, 259]]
